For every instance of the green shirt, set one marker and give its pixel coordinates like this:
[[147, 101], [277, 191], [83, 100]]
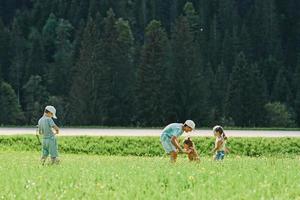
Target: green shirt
[[45, 126]]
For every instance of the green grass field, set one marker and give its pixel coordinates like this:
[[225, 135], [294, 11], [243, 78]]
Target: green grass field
[[117, 177]]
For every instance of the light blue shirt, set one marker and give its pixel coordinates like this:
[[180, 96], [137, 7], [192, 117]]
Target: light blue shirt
[[174, 129], [45, 126]]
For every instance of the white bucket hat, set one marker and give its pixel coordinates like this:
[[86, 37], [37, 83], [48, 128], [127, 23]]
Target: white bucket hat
[[52, 110], [190, 123]]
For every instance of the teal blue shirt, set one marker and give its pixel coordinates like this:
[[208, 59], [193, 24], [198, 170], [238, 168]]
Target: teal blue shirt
[[45, 126], [171, 130]]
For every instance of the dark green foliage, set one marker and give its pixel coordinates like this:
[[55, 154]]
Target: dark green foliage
[[5, 58], [188, 80], [150, 146], [116, 55], [63, 60], [297, 106], [277, 115], [49, 36], [36, 64], [282, 89], [148, 63], [19, 47], [10, 108], [35, 99], [152, 77], [270, 67], [83, 98], [218, 96], [246, 95], [297, 92]]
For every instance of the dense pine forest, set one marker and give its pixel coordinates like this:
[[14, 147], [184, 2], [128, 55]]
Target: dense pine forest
[[151, 62]]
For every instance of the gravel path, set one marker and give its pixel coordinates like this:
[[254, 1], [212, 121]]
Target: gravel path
[[147, 132]]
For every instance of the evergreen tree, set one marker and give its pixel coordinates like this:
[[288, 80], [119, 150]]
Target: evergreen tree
[[5, 59], [49, 36], [219, 91], [208, 102], [11, 113], [214, 44], [40, 12], [116, 71], [297, 106], [228, 50], [35, 98], [63, 59], [278, 115], [270, 68], [84, 98], [151, 91], [124, 73], [191, 91], [36, 64], [266, 40], [296, 86], [192, 17], [36, 38], [281, 91], [19, 54], [244, 98], [77, 40], [186, 70], [257, 97], [109, 70]]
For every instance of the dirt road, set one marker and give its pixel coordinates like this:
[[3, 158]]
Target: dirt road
[[147, 132]]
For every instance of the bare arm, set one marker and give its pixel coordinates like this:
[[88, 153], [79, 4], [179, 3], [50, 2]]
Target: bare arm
[[56, 129], [217, 146], [176, 143]]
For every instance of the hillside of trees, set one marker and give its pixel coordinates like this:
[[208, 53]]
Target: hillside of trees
[[148, 63]]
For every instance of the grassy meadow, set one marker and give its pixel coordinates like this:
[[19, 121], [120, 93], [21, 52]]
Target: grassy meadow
[[132, 177]]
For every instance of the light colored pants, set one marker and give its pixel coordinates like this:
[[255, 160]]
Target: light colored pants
[[50, 147], [168, 146]]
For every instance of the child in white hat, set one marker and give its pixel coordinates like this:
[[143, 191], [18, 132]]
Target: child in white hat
[[45, 126]]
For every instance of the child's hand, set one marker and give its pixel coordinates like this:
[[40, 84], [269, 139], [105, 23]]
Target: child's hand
[[190, 150]]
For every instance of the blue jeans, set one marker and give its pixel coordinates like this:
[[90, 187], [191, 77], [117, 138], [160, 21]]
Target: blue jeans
[[220, 155]]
